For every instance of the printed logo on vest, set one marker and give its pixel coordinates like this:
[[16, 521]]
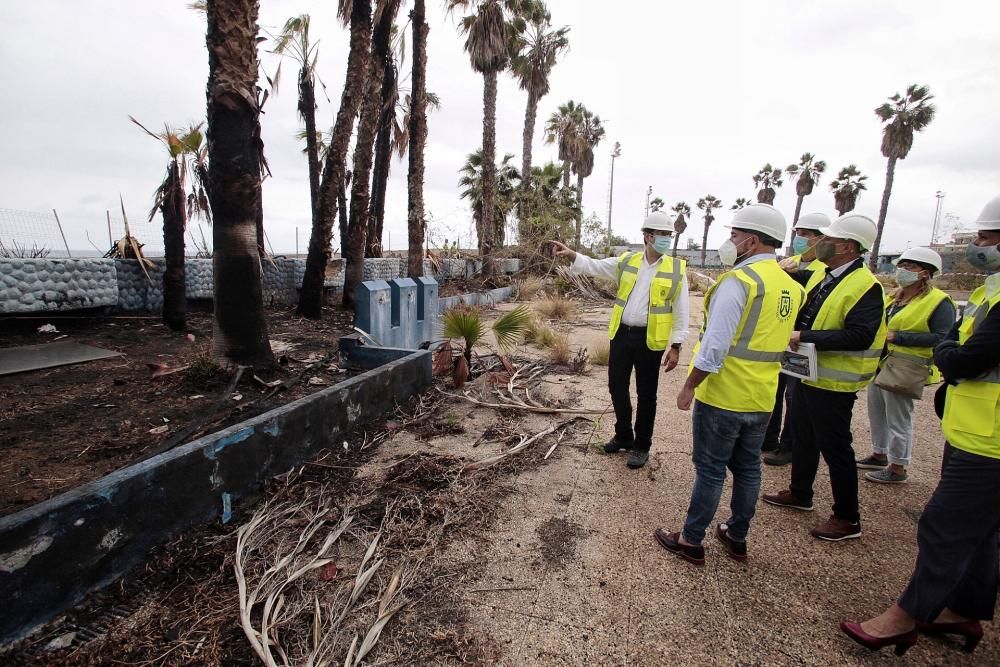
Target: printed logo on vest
[[785, 304]]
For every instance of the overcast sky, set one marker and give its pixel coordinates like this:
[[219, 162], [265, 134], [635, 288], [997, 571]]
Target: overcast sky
[[700, 95]]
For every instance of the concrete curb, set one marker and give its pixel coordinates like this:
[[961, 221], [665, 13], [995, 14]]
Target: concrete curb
[[54, 553], [488, 298]]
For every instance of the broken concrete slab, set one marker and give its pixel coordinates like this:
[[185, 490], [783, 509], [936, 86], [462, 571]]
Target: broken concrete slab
[[48, 355]]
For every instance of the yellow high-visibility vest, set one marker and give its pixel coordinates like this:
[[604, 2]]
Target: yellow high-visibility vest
[[663, 293], [748, 379], [972, 407], [915, 318], [845, 370], [813, 266]]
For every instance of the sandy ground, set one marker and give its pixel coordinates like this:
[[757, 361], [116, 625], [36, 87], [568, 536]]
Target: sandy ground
[[573, 575]]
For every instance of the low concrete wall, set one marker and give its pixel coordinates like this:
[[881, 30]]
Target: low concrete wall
[[33, 285], [54, 553], [488, 298]]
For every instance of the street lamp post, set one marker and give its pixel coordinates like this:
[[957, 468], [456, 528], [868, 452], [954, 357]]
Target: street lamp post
[[649, 192], [615, 153]]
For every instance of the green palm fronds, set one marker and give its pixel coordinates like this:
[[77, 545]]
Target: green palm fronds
[[509, 329]]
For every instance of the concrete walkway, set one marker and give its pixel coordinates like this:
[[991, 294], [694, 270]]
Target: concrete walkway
[[574, 576]]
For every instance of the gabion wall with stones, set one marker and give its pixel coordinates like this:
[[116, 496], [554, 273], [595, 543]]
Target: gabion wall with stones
[[36, 285], [32, 285]]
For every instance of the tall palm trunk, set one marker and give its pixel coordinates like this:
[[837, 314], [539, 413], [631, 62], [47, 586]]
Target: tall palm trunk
[[311, 298], [383, 161], [357, 226], [677, 242], [566, 168], [418, 138], [795, 221], [174, 215], [890, 172], [488, 227], [240, 331], [342, 208], [579, 200], [530, 114], [307, 108], [704, 244]]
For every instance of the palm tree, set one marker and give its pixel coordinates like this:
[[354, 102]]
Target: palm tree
[[357, 14], [536, 54], [739, 203], [186, 152], [808, 170], [683, 212], [562, 127], [901, 116], [471, 182], [766, 180], [293, 42], [656, 205], [846, 188], [708, 203], [368, 121], [552, 209], [417, 129], [240, 331], [489, 32], [588, 135]]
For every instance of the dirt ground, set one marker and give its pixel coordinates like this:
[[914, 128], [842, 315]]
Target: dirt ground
[[541, 561], [61, 427]]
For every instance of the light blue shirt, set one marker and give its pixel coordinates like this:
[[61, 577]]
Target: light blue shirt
[[724, 313]]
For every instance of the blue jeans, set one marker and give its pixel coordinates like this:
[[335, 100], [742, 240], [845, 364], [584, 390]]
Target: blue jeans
[[724, 439]]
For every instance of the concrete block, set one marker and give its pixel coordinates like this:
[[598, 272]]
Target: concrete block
[[372, 299]]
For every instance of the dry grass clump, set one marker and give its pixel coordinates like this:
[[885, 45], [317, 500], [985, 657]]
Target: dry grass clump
[[559, 351], [600, 353], [529, 288], [539, 333], [555, 307]]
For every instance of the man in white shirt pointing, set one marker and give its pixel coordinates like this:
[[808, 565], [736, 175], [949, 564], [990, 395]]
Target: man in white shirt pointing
[[650, 314]]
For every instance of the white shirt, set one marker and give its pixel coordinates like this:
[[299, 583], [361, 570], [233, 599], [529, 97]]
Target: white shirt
[[636, 312], [836, 273], [723, 316]]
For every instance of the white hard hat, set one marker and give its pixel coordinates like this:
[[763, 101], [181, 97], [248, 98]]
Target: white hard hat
[[921, 255], [989, 219], [761, 218], [855, 227], [817, 222], [658, 221]]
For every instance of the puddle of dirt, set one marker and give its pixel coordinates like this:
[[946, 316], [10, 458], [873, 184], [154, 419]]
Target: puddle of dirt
[[558, 537]]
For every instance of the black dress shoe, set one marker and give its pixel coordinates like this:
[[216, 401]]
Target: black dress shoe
[[615, 445], [637, 458]]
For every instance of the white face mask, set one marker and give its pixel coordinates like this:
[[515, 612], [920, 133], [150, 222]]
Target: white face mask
[[729, 252]]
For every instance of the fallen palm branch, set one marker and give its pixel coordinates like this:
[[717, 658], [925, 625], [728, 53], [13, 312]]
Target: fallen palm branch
[[284, 572], [516, 405], [586, 285], [525, 442]]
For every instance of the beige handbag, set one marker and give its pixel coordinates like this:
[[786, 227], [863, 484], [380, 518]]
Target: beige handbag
[[902, 376]]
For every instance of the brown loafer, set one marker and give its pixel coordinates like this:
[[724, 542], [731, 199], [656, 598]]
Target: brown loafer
[[671, 542]]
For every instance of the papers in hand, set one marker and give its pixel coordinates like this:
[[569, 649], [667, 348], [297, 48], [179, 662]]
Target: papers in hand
[[800, 363]]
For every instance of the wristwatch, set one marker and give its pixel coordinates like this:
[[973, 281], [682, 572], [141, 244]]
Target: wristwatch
[[675, 346]]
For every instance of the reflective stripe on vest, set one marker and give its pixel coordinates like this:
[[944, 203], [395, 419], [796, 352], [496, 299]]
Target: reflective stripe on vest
[[845, 370], [971, 419], [663, 291], [748, 379]]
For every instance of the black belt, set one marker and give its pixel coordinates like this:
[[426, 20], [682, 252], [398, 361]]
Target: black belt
[[630, 329]]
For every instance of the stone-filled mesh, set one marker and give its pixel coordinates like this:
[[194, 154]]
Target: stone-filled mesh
[[31, 285]]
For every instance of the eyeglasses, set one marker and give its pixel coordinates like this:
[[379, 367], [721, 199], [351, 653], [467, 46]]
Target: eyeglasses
[[657, 232]]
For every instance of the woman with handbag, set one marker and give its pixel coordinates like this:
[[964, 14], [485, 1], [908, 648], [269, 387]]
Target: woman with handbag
[[919, 317]]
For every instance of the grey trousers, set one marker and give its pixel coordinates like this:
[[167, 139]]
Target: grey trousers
[[891, 418], [958, 555]]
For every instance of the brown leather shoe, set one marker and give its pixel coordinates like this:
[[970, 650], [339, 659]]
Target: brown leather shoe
[[836, 529], [672, 543], [787, 499]]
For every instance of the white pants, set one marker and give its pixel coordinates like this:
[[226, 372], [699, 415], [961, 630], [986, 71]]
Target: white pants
[[891, 419]]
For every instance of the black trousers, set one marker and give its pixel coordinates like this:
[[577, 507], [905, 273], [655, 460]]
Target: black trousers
[[957, 538], [821, 422], [779, 432], [628, 351]]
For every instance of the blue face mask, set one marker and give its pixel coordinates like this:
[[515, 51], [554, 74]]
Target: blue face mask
[[662, 244], [800, 244]]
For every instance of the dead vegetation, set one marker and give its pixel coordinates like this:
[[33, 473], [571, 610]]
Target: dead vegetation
[[555, 307]]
